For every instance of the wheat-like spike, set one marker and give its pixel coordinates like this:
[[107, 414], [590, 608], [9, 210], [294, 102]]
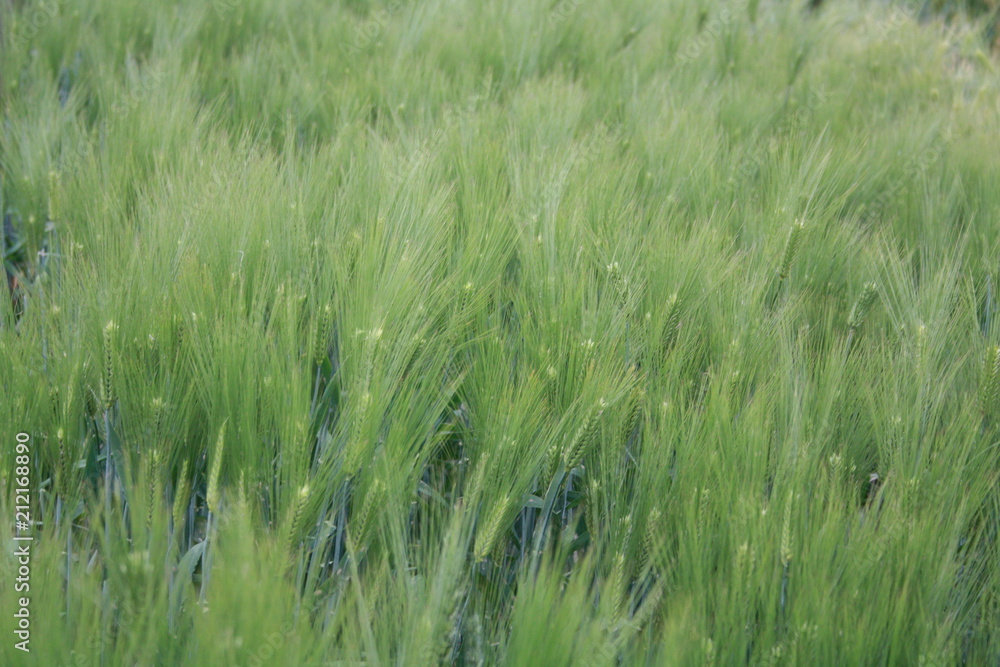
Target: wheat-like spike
[[158, 408], [702, 512], [786, 533], [443, 652], [463, 305], [671, 327], [861, 307], [54, 401], [61, 465], [476, 483], [296, 516], [486, 540], [635, 411], [182, 494], [584, 435], [323, 334], [552, 457], [652, 538], [619, 283], [617, 584], [742, 552], [373, 498], [991, 380], [91, 401], [179, 331], [648, 606], [791, 248], [355, 445], [212, 496], [153, 487], [107, 381]]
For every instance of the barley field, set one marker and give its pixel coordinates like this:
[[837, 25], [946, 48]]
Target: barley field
[[499, 332]]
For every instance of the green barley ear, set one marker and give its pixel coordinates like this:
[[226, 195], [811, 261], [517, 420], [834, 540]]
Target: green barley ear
[[475, 485], [617, 584], [107, 381], [91, 401], [463, 312], [648, 606], [671, 327], [212, 496], [635, 406], [323, 334], [61, 467], [862, 306], [355, 447], [703, 512], [182, 494], [584, 436], [296, 516], [153, 488], [552, 457], [619, 283], [54, 401], [486, 540], [158, 408], [990, 393], [179, 330], [653, 537], [375, 498], [786, 533], [791, 248]]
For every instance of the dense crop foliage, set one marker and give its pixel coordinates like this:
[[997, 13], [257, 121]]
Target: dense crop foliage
[[604, 332]]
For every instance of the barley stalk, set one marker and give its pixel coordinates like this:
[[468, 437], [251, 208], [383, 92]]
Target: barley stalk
[[107, 380], [153, 489], [862, 306], [653, 537], [786, 534], [296, 516], [323, 334], [584, 436], [617, 584], [791, 249], [486, 540], [373, 499], [212, 495], [671, 327]]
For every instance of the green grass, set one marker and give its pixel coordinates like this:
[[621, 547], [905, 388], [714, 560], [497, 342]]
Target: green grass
[[501, 332]]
